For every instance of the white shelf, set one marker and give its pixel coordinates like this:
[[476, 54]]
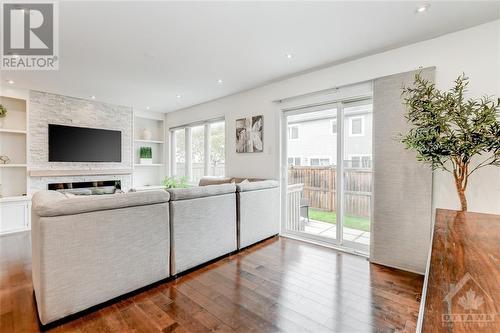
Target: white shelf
[[13, 131], [149, 165], [149, 141], [12, 165], [15, 198]]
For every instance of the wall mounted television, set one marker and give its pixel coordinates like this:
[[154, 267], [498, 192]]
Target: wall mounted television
[[81, 144]]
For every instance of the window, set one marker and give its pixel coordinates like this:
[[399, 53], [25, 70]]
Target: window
[[197, 153], [294, 161], [320, 161], [217, 149], [198, 150], [356, 126], [179, 149], [359, 161], [293, 132], [333, 126]]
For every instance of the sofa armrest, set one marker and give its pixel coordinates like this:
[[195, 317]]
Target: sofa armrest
[[200, 191], [52, 203], [255, 186]]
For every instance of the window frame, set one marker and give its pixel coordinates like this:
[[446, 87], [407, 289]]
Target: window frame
[[362, 118], [188, 172]]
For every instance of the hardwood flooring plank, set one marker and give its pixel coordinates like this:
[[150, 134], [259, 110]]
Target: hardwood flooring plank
[[280, 285]]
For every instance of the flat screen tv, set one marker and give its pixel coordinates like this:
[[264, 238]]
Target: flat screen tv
[[80, 144]]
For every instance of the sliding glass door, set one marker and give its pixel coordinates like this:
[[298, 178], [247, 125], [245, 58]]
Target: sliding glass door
[[311, 173], [327, 152], [357, 175]]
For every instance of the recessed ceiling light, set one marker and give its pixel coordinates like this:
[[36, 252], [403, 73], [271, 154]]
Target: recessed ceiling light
[[178, 96], [147, 107], [423, 8], [10, 81], [289, 55], [93, 97], [219, 81]]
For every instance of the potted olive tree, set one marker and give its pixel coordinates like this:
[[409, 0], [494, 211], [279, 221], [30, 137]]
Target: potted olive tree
[[451, 133]]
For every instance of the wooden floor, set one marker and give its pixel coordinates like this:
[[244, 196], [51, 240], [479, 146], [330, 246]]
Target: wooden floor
[[279, 285]]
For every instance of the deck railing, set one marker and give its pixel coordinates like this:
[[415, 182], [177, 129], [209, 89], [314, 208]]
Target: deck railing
[[293, 196], [319, 187]]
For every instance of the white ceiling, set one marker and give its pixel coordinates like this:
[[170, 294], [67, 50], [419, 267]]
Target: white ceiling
[[145, 53]]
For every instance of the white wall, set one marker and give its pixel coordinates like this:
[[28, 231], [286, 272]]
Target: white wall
[[475, 51]]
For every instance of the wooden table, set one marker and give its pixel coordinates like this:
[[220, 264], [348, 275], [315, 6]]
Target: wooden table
[[462, 283]]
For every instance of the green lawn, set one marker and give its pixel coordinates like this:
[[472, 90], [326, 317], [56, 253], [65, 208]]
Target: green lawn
[[358, 223]]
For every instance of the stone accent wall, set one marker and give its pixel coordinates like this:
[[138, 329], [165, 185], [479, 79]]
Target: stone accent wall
[[46, 108]]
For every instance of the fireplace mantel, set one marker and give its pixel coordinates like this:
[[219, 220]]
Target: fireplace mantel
[[77, 172]]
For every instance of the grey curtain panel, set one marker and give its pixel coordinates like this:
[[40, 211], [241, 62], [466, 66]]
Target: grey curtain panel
[[402, 206]]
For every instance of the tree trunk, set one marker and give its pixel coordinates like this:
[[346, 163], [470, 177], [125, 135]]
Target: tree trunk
[[461, 184], [463, 200]]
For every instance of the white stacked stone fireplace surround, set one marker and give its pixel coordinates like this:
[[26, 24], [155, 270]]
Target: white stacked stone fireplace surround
[[45, 109]]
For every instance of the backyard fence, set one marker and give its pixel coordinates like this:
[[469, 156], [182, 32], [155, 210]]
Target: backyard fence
[[320, 188]]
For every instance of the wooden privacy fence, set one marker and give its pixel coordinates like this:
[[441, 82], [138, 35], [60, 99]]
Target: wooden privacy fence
[[320, 188]]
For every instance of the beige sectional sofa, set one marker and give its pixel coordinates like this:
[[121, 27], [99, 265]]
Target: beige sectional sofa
[[258, 211], [90, 249], [87, 250], [203, 225]]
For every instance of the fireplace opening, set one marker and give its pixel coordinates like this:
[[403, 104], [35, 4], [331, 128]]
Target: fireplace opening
[[87, 188]]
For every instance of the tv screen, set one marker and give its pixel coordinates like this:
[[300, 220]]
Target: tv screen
[[80, 144]]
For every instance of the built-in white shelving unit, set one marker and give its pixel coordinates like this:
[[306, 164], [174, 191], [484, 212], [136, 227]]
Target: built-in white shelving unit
[[13, 145], [14, 204], [149, 176]]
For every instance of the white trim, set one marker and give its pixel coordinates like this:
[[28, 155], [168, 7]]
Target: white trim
[[326, 242], [339, 181], [351, 134]]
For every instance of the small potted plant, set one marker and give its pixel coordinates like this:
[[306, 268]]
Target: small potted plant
[[3, 114], [145, 155], [172, 182]]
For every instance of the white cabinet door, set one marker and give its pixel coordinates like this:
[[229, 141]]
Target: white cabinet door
[[14, 216]]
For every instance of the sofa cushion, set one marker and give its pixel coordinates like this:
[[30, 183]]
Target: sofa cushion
[[238, 180], [52, 203], [200, 191], [211, 180], [257, 185]]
